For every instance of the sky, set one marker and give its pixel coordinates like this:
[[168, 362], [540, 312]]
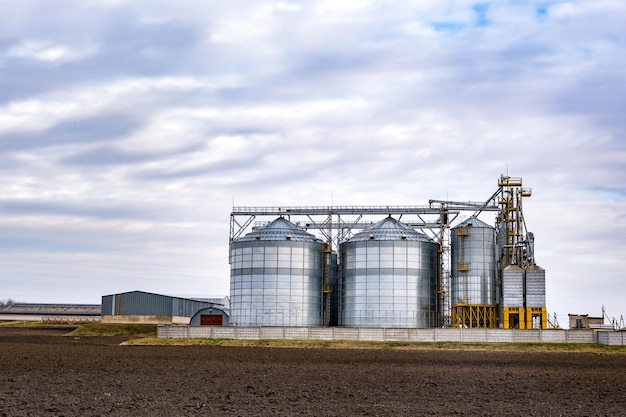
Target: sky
[[130, 129]]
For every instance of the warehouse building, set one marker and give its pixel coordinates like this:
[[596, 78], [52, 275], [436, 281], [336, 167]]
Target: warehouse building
[[61, 313], [145, 307]]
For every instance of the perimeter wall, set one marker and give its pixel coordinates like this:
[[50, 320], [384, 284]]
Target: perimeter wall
[[379, 335]]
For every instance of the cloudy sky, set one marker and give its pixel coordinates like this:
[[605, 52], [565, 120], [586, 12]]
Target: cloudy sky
[[129, 129]]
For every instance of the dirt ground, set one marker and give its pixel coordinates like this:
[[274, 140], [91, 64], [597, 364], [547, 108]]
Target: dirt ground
[[43, 373]]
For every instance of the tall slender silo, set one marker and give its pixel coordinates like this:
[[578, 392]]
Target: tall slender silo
[[473, 282], [388, 278], [535, 290], [513, 297], [277, 277]]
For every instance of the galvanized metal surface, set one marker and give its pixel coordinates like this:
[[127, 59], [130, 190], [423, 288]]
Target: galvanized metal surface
[[52, 309], [388, 278], [279, 229], [139, 303], [513, 286], [535, 287], [276, 277], [389, 229], [473, 264]]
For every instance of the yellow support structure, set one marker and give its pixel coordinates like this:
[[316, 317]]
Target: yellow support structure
[[513, 318], [474, 316], [536, 312]]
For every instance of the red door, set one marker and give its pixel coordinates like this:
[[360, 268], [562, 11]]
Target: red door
[[210, 320]]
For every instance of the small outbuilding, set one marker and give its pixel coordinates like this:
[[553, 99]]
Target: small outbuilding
[[583, 321]]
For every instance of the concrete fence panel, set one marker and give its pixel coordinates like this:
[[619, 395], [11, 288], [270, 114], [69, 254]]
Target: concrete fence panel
[[390, 334], [612, 338], [473, 335], [526, 336], [422, 335], [247, 333], [321, 333], [553, 336], [448, 335], [580, 336], [396, 335], [296, 333], [225, 332], [346, 333], [499, 336], [272, 333]]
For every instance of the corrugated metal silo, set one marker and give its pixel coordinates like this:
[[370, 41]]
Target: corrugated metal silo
[[276, 277], [388, 278], [473, 282], [513, 297], [535, 287]]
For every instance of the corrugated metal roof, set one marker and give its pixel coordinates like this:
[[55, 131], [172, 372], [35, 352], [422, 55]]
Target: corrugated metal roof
[[473, 222], [54, 309], [280, 229], [145, 303], [389, 229]]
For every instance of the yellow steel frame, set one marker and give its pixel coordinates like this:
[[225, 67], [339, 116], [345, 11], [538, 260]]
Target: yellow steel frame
[[478, 316], [532, 312], [513, 318], [522, 318]]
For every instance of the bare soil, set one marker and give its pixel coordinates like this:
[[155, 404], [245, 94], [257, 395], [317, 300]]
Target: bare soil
[[43, 373]]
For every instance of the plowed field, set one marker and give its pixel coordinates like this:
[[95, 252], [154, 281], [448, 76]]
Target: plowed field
[[46, 374]]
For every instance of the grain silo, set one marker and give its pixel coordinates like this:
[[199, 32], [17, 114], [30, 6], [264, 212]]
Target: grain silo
[[276, 277], [388, 278], [535, 291], [473, 283], [513, 297]]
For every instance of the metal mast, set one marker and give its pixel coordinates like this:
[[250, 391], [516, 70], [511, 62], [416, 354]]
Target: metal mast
[[510, 225]]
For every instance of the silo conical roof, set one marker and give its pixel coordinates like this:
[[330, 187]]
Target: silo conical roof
[[389, 229], [473, 222], [279, 229]]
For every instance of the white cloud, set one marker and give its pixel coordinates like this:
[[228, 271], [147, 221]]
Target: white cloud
[[45, 51]]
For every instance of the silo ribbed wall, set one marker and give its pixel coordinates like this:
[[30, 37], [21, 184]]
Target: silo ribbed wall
[[276, 278], [389, 280], [473, 264], [513, 286], [535, 287]]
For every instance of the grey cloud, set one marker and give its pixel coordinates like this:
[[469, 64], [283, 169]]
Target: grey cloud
[[81, 130], [94, 209], [124, 48], [219, 168], [110, 155]]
